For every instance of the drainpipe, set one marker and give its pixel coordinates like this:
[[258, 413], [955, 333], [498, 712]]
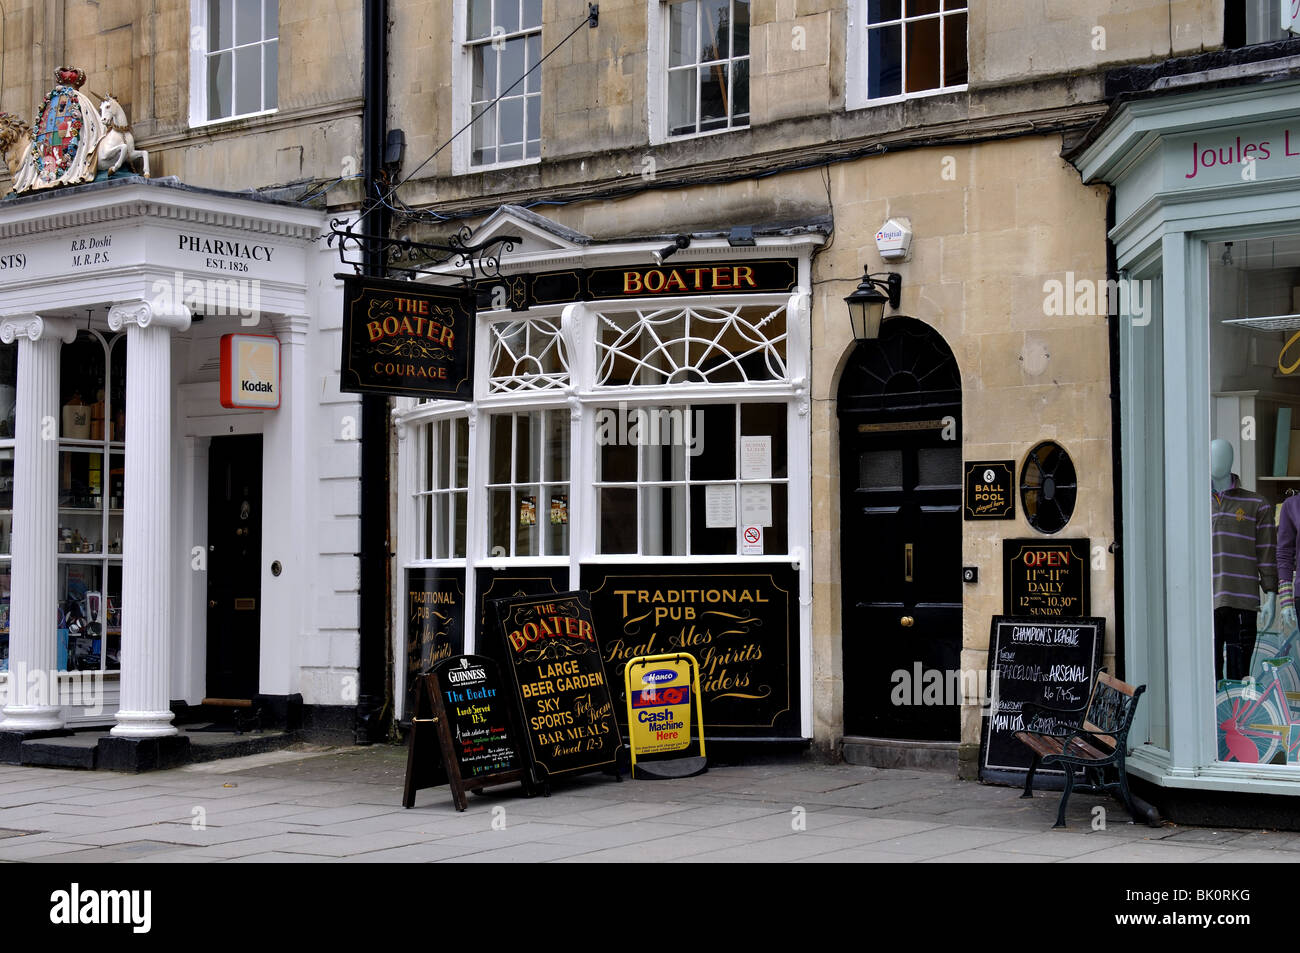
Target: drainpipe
[[1113, 320], [374, 707]]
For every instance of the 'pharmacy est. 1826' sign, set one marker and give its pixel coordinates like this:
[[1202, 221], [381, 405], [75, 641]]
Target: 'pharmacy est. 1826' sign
[[407, 339]]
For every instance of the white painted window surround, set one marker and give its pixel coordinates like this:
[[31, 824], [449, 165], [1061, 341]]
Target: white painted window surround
[[235, 44]]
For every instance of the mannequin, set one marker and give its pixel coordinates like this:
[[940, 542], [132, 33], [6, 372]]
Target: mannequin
[[1288, 528], [1243, 544]]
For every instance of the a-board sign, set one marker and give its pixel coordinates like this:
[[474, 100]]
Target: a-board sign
[[1050, 662], [990, 490], [555, 670], [463, 704], [1046, 578], [435, 623]]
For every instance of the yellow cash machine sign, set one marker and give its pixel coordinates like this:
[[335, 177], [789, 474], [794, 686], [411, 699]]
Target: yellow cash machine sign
[[659, 705]]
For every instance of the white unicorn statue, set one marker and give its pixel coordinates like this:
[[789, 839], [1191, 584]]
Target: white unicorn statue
[[117, 147]]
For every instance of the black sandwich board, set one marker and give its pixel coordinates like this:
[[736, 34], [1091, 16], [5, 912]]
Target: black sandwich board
[[1051, 662], [462, 701]]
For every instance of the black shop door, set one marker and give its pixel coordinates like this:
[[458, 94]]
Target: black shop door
[[234, 565], [900, 544]]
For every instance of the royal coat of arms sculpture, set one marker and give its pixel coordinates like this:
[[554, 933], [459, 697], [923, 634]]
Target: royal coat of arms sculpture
[[71, 141]]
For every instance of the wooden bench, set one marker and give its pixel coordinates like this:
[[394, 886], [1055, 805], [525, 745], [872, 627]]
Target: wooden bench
[[1094, 742]]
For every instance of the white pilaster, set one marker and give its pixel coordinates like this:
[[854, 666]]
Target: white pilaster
[[33, 701], [146, 533]]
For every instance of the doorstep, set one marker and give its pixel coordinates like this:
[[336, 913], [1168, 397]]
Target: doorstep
[[97, 749], [898, 753]]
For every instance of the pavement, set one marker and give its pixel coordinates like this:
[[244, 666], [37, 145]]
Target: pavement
[[343, 805]]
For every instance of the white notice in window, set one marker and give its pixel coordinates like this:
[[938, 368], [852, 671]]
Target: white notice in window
[[720, 506], [755, 458], [756, 505]]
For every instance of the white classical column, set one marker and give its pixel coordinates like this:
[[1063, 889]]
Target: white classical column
[[33, 701], [146, 526]]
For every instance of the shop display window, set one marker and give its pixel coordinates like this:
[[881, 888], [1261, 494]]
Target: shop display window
[[1254, 338]]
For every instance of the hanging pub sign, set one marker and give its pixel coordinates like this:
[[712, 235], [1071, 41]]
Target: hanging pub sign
[[250, 371], [407, 339], [1044, 662], [559, 683], [990, 490], [435, 623], [741, 625], [463, 703], [1046, 578]]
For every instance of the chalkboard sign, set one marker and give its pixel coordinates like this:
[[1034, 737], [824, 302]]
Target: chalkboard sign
[[559, 683], [741, 623], [1050, 662], [1046, 578], [435, 623], [464, 703]]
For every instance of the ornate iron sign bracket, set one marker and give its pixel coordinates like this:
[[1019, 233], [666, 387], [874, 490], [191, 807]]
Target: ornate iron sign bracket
[[403, 256]]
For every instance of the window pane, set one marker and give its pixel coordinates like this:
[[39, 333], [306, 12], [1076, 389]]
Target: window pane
[[499, 523], [557, 445], [533, 49], [681, 102], [248, 79], [442, 451], [740, 94], [713, 96], [617, 520], [740, 31], [534, 126], [485, 74], [82, 616], [526, 518], [459, 504], [916, 8], [270, 18], [499, 449], [715, 30], [716, 540], [532, 15], [954, 50], [923, 55], [220, 93], [6, 507], [528, 462], [462, 452], [954, 4], [221, 30], [715, 447], [512, 120], [878, 10], [555, 515], [479, 19], [507, 15], [617, 461], [270, 75], [8, 388], [766, 420], [884, 62], [681, 33], [441, 505], [4, 616], [512, 64], [248, 21], [663, 521]]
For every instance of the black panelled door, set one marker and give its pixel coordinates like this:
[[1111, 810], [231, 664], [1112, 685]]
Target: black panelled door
[[234, 565], [900, 543]]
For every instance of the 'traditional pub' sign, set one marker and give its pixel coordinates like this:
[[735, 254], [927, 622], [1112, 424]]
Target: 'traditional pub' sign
[[1045, 578], [407, 339]]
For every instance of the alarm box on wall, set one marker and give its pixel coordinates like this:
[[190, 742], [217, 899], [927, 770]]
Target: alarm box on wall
[[250, 371]]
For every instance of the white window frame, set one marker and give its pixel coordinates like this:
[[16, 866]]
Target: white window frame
[[657, 78], [462, 88], [857, 70], [199, 72]]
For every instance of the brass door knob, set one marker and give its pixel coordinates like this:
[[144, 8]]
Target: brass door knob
[[906, 621], [212, 604]]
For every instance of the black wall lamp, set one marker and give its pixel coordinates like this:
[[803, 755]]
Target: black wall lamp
[[681, 241], [867, 303]]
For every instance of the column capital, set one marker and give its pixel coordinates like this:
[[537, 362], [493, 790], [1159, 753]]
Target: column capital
[[148, 314], [35, 328]]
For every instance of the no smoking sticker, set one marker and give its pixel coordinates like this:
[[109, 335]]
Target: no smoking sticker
[[751, 541]]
